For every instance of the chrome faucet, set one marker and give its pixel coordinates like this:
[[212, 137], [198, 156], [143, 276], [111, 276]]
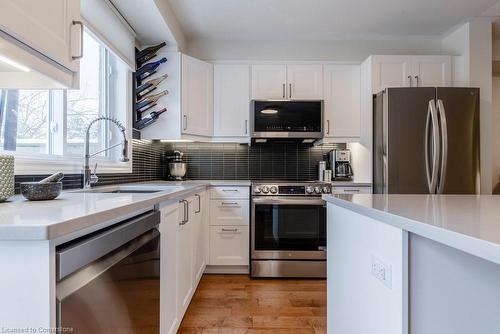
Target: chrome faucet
[[89, 177]]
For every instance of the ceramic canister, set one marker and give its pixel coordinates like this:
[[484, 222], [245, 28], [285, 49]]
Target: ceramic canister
[[6, 177]]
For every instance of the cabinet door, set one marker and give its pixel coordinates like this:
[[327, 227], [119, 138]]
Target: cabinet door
[[431, 71], [231, 100], [342, 102], [46, 26], [305, 82], [268, 82], [229, 212], [200, 228], [229, 245], [168, 276], [391, 71], [197, 97], [184, 259]]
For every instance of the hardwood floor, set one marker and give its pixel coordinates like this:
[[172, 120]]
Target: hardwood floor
[[229, 304]]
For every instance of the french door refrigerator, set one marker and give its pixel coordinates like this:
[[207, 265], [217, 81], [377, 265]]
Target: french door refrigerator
[[426, 141]]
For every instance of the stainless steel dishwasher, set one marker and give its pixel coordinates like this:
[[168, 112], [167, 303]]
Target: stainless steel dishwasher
[[109, 281]]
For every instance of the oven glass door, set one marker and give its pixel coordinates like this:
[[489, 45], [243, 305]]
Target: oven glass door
[[289, 116], [289, 227]]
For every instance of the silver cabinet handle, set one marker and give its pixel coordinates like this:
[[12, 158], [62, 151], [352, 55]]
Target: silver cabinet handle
[[352, 190], [246, 126], [444, 145], [229, 230], [184, 214], [199, 203], [79, 23], [416, 80], [411, 80], [290, 91], [185, 122], [327, 126], [284, 93], [229, 203], [230, 190]]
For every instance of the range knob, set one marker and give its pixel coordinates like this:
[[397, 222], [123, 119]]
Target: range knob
[[274, 190], [265, 189], [326, 190], [309, 190], [257, 189], [317, 190]]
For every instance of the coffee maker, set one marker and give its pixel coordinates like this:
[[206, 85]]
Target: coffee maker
[[340, 163]]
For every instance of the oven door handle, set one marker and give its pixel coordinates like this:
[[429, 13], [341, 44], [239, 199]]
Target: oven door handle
[[288, 201]]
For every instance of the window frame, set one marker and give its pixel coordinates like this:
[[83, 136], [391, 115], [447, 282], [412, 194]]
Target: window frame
[[51, 162]]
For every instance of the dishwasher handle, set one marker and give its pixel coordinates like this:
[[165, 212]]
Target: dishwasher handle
[[77, 254]]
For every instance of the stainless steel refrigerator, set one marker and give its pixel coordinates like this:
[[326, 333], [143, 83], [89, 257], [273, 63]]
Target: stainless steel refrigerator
[[426, 141]]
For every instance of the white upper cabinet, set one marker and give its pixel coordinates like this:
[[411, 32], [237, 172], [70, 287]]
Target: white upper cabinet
[[305, 82], [52, 32], [292, 82], [431, 71], [197, 97], [410, 71], [268, 82], [342, 101], [231, 100], [46, 26], [391, 71]]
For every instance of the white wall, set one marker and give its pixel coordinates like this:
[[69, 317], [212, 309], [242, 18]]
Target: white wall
[[496, 135], [471, 44], [340, 50]]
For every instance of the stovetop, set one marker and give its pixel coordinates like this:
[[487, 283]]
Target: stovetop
[[290, 188]]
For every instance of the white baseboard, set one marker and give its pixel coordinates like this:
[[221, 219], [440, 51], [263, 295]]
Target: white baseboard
[[227, 270]]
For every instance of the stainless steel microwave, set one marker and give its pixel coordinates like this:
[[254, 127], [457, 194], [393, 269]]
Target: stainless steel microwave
[[287, 119]]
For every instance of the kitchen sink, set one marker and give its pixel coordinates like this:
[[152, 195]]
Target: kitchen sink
[[130, 189], [120, 191]]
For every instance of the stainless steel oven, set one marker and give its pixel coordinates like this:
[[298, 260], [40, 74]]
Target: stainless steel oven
[[288, 230], [287, 119], [109, 281]]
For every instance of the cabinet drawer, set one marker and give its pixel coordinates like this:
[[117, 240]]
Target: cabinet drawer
[[229, 212], [229, 245], [351, 190], [229, 192]]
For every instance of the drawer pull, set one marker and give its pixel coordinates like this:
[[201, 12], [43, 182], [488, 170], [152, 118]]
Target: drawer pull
[[229, 203], [229, 230], [352, 190], [230, 190]]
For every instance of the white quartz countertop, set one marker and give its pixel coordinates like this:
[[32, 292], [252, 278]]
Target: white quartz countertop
[[75, 211], [470, 223]]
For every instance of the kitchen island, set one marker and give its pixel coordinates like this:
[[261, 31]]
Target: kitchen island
[[413, 264], [33, 236]]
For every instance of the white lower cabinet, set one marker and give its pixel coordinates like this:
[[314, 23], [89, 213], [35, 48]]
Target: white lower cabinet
[[184, 243], [229, 245], [169, 321], [229, 212], [229, 228]]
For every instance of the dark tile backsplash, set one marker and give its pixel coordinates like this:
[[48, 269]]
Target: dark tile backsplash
[[274, 161]]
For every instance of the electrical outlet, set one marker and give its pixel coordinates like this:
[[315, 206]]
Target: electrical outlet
[[381, 271]]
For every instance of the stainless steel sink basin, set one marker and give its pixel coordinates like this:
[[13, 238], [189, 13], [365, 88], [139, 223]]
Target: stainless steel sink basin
[[130, 189], [119, 191]]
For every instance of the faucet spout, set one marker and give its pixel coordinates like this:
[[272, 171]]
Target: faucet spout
[[87, 174]]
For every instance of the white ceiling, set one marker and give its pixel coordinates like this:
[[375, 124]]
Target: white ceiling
[[242, 20]]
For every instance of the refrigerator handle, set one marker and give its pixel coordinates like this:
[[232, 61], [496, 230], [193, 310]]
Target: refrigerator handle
[[432, 166], [444, 146]]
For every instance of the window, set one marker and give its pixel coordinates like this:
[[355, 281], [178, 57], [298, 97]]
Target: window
[[53, 123]]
